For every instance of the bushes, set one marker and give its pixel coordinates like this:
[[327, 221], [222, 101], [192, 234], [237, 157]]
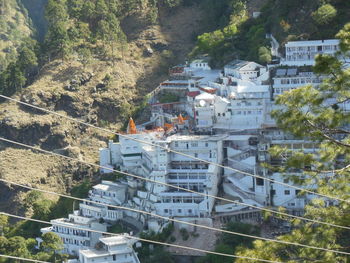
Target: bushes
[[184, 234], [167, 97], [324, 14]]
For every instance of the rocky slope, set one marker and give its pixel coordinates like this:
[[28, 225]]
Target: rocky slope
[[102, 93]]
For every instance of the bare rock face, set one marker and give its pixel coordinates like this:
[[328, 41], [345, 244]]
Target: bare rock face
[[78, 81], [29, 134]]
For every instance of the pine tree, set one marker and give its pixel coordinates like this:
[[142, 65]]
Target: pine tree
[[318, 113], [57, 42]]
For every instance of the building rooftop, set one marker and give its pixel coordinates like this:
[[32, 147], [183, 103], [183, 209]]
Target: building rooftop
[[313, 42], [201, 60], [179, 137], [116, 240], [91, 253], [108, 187], [236, 64], [205, 96], [252, 88]]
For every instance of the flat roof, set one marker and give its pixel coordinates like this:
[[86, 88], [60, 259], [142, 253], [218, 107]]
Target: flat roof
[[107, 187], [179, 137], [115, 240], [92, 252], [313, 42]]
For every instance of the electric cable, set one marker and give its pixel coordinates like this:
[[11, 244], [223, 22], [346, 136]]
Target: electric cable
[[176, 152], [173, 186], [137, 238], [165, 218]]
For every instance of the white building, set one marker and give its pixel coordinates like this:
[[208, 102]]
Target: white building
[[200, 63], [164, 166], [190, 174], [244, 105], [301, 53], [74, 232], [115, 249], [107, 193], [286, 79], [246, 70]]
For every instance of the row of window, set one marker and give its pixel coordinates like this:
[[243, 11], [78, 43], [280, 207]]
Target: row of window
[[179, 199], [286, 192], [192, 144], [313, 48], [300, 81], [189, 211]]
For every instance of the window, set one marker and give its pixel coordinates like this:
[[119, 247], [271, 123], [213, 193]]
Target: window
[[179, 210], [297, 192], [286, 192], [190, 211], [166, 211], [286, 181], [219, 114], [273, 192], [196, 155], [259, 181], [223, 114]]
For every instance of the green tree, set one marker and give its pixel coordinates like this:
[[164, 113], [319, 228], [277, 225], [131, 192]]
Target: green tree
[[3, 224], [227, 243], [56, 41], [88, 11], [51, 243], [264, 55], [324, 14], [16, 246], [101, 9], [317, 113], [16, 78], [75, 8], [3, 244], [85, 56], [27, 60]]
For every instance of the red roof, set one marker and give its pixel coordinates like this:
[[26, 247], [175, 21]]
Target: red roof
[[193, 93]]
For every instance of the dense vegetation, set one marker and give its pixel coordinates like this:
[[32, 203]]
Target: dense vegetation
[[19, 246], [241, 36], [78, 30], [228, 243]]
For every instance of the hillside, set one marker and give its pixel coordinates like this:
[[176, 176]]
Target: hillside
[[103, 92], [14, 26]]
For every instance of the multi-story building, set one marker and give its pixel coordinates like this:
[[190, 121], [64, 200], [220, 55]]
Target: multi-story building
[[75, 232], [108, 193], [241, 105], [303, 53], [190, 174], [115, 249], [281, 195], [286, 79], [159, 164], [246, 70]]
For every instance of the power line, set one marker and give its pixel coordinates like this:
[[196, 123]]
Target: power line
[[165, 218], [170, 150], [177, 187], [24, 259], [139, 239]]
